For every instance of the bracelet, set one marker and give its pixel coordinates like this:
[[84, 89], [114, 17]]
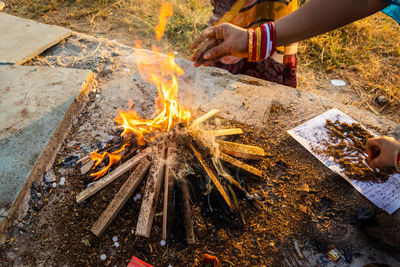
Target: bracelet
[[250, 44], [397, 158], [254, 45], [261, 42], [258, 53]]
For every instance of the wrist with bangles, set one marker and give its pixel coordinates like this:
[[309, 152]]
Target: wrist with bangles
[[261, 42]]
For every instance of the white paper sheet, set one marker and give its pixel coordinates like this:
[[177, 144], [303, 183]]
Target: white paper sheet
[[313, 135]]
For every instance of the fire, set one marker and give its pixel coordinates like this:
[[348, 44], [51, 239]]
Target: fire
[[165, 14], [113, 158], [164, 73]]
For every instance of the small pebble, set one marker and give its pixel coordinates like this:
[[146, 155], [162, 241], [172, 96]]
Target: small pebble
[[116, 244], [97, 95], [115, 239], [138, 196], [103, 257], [62, 181], [163, 242]]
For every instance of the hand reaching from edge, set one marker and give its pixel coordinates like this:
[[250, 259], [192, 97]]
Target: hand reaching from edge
[[219, 41], [382, 151]]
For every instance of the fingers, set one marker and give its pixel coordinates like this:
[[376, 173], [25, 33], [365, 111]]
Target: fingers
[[217, 52], [207, 33], [198, 56], [376, 163]]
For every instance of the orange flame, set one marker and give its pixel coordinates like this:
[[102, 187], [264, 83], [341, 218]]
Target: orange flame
[[165, 14], [163, 72], [113, 157]]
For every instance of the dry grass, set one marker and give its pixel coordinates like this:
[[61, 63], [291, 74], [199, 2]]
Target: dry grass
[[366, 53]]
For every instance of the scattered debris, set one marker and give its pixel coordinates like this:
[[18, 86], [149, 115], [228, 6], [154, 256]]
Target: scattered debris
[[135, 262], [210, 261], [336, 82], [334, 253], [71, 161], [381, 100]]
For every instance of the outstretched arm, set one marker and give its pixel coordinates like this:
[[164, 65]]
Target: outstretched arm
[[313, 18], [320, 16]]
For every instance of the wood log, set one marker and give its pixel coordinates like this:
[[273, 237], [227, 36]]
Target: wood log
[[120, 198], [86, 167], [258, 204], [84, 160], [187, 212], [152, 190], [241, 150], [123, 168], [169, 184], [223, 132], [240, 164], [212, 176], [203, 118]]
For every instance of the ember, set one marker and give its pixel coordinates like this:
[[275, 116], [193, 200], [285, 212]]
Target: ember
[[152, 146]]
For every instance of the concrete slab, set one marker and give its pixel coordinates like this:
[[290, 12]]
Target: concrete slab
[[33, 104], [23, 39]]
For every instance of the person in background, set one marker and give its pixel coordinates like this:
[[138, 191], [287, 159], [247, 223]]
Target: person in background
[[313, 18], [282, 65]]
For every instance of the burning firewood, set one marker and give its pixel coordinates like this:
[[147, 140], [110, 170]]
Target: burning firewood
[[169, 184], [223, 132], [240, 150], [152, 190], [112, 176], [240, 164], [120, 198], [212, 176], [203, 118], [187, 210]]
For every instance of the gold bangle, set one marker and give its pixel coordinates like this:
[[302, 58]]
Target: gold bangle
[[250, 46], [258, 51]]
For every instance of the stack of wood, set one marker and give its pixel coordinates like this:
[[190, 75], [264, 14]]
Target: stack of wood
[[159, 162]]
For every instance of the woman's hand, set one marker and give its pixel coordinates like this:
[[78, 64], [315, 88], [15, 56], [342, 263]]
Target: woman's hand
[[382, 151], [219, 41]]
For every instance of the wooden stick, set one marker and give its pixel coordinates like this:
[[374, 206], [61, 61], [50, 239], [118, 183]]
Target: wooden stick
[[85, 194], [87, 166], [120, 198], [212, 176], [224, 132], [187, 210], [84, 160], [241, 150], [169, 184], [240, 164], [152, 190], [203, 118]]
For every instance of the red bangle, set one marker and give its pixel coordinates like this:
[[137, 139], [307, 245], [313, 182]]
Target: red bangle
[[273, 34], [254, 45], [264, 42]]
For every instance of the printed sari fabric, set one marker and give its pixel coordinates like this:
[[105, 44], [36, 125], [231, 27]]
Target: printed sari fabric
[[281, 67]]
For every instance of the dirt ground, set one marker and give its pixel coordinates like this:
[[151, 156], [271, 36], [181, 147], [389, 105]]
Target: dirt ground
[[308, 208]]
